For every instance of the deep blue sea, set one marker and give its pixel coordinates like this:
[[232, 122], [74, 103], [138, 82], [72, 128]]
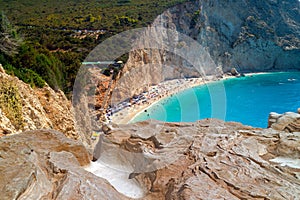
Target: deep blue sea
[[248, 100]]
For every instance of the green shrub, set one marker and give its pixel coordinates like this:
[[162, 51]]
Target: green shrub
[[10, 103], [34, 58], [26, 75]]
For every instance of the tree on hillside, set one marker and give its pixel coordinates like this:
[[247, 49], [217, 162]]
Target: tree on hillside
[[9, 40]]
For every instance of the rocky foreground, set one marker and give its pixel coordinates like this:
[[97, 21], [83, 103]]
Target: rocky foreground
[[208, 159]]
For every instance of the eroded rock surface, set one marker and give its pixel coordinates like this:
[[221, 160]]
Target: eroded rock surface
[[289, 121], [209, 159], [262, 37], [47, 165]]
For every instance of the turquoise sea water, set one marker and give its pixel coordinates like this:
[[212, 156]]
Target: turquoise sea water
[[248, 100]]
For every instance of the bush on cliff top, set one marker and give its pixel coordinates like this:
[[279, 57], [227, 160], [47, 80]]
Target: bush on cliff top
[[10, 103], [26, 75]]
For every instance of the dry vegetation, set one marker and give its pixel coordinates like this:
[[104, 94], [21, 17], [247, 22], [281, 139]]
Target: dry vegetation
[[11, 103]]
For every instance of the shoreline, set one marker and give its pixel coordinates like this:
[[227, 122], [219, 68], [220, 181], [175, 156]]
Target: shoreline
[[126, 115]]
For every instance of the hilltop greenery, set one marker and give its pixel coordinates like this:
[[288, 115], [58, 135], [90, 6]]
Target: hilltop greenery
[[84, 14], [58, 35]]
